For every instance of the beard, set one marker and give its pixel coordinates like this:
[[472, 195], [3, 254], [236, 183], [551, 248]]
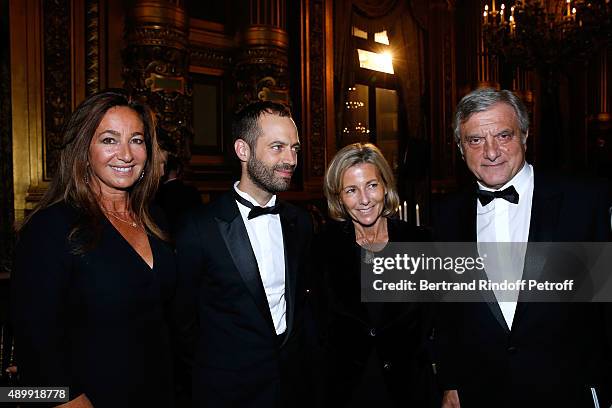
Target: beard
[[263, 176]]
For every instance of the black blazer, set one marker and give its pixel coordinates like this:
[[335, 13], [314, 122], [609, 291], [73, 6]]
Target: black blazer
[[222, 309], [554, 352], [352, 330], [95, 322]]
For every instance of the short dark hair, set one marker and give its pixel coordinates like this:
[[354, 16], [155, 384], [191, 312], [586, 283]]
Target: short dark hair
[[481, 99], [245, 125]]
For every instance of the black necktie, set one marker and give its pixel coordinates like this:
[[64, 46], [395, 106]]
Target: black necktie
[[256, 210], [508, 194]]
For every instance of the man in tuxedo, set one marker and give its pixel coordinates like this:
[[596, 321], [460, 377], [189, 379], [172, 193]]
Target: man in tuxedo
[[241, 269], [509, 354]]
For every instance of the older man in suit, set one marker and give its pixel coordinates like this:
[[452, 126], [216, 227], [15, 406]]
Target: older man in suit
[[242, 263], [509, 354]]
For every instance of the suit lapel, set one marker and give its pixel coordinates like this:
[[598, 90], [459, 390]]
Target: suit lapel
[[491, 301], [291, 246], [236, 239], [470, 235], [545, 207]]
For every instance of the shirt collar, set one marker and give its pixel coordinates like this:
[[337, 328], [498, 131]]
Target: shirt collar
[[251, 199]]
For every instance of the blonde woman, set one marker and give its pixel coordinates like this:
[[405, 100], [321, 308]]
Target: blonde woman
[[374, 351]]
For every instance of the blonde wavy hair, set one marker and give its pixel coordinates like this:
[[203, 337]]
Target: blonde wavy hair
[[350, 156]]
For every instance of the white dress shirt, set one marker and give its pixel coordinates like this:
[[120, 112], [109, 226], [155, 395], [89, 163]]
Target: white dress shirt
[[266, 236], [502, 221]]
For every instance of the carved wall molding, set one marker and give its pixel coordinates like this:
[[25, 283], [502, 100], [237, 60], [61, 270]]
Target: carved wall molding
[[92, 51], [251, 79], [155, 68], [210, 57], [173, 107], [263, 53], [57, 78], [156, 35], [270, 56], [317, 88], [256, 63]]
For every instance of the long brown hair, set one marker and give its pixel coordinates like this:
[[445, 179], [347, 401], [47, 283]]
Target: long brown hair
[[71, 185]]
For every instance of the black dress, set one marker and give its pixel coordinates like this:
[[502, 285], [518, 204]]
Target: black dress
[[375, 353], [94, 322]]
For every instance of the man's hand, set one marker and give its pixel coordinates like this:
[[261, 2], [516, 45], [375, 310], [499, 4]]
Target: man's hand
[[450, 399]]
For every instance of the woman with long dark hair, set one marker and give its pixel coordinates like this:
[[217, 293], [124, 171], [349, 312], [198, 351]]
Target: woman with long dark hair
[[93, 274]]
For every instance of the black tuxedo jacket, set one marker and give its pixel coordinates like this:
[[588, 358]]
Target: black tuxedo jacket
[[554, 352], [223, 314]]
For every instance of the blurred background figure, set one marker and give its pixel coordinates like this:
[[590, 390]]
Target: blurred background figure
[[174, 197], [92, 272]]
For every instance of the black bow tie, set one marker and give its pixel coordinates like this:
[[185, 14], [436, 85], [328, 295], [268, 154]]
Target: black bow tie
[[256, 210], [509, 194]]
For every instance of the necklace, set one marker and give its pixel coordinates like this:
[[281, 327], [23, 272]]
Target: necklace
[[370, 248], [130, 223], [371, 244]]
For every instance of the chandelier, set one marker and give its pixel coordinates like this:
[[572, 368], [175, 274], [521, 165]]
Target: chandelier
[[546, 34], [356, 115]]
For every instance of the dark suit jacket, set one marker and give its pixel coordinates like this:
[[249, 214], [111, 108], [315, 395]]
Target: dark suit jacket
[[353, 330], [554, 352], [223, 313]]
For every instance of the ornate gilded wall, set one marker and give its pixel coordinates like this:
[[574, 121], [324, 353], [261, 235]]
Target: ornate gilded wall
[[282, 54], [57, 78], [65, 50], [58, 56], [317, 73], [156, 61]]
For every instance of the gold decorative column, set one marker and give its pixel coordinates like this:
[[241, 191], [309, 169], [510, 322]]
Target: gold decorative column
[[262, 62], [156, 63]]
